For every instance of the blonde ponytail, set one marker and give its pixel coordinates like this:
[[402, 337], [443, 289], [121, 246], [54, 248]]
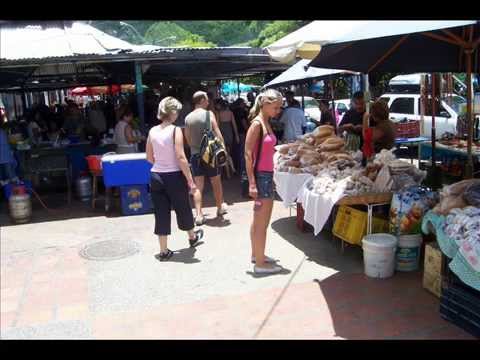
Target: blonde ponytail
[[268, 96]]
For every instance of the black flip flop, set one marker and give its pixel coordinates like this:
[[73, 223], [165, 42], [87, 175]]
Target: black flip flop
[[165, 256], [198, 237]]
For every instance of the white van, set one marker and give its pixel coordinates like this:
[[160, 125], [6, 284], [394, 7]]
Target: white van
[[407, 106]]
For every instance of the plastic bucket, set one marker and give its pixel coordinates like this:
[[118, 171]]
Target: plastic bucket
[[379, 255], [94, 163], [408, 252]]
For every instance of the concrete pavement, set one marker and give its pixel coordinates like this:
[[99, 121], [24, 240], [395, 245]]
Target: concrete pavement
[[49, 291]]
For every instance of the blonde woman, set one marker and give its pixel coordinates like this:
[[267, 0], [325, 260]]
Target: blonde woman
[[171, 178], [259, 150]]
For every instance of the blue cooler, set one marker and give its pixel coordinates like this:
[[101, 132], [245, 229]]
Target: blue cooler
[[126, 169], [135, 199]]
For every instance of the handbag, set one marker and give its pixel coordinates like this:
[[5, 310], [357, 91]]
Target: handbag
[[212, 150]]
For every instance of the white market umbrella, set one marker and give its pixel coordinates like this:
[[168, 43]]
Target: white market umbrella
[[307, 41]]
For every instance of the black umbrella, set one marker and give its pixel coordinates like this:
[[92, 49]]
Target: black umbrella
[[408, 47]]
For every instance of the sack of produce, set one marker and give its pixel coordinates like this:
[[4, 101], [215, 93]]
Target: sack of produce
[[448, 203], [407, 209], [472, 195]]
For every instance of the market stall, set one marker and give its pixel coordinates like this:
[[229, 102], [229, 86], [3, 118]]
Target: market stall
[[452, 154], [318, 173]]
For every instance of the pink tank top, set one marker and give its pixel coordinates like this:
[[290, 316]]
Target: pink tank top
[[265, 162], [163, 149]]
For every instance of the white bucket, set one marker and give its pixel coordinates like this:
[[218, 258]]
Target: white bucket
[[408, 252], [379, 255]]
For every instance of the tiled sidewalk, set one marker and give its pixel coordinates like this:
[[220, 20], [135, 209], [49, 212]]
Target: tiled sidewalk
[[48, 293]]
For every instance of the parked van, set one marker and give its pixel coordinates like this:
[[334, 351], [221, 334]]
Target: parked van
[[405, 106]]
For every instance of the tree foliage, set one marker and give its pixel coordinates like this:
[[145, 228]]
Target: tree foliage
[[199, 33]]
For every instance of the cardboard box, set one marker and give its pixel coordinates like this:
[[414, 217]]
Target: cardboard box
[[432, 272]]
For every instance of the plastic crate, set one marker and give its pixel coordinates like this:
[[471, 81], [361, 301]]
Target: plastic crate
[[409, 129], [351, 225], [135, 199]]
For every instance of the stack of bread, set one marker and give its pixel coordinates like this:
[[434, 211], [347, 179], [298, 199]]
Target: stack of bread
[[316, 151]]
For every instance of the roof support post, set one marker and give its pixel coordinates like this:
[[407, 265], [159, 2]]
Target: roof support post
[[139, 92]]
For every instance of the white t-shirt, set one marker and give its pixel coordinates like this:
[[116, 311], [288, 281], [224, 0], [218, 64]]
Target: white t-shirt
[[293, 120], [30, 128], [123, 147]]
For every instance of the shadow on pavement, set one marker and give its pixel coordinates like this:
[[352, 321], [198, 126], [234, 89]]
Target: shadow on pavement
[[185, 256], [395, 308], [284, 271], [322, 249]]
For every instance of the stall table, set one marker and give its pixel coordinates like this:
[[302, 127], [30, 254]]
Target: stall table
[[411, 143]]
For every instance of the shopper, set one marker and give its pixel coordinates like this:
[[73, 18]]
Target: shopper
[[259, 151], [293, 120], [195, 126], [228, 128], [171, 178], [124, 136]]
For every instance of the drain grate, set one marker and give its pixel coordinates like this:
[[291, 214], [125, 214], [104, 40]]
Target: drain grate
[[110, 250]]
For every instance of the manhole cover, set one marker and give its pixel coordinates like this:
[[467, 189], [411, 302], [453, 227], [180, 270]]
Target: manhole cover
[[110, 250]]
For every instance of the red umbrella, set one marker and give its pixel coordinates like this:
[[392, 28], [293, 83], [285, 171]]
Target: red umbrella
[[80, 91]]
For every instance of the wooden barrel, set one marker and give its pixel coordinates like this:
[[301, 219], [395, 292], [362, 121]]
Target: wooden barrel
[[20, 208]]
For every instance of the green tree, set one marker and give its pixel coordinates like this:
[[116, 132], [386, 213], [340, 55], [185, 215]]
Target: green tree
[[275, 31]]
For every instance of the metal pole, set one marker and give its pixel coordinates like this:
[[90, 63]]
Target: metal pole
[[433, 76], [238, 88], [139, 92], [303, 97], [366, 91], [469, 166]]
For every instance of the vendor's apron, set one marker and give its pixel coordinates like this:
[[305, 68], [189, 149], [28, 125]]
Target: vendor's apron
[[352, 142]]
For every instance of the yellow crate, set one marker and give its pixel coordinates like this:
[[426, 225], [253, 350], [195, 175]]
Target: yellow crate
[[351, 225]]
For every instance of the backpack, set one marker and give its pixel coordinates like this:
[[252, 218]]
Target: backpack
[[212, 150]]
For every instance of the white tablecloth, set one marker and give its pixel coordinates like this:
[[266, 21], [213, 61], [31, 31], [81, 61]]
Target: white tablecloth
[[318, 207], [289, 185]]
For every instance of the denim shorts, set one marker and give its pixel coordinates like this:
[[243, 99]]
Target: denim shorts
[[264, 184]]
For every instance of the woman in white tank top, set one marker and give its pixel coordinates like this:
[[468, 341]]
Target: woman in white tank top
[[124, 137], [171, 178]]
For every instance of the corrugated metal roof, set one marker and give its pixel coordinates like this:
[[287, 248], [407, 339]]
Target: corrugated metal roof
[[24, 42]]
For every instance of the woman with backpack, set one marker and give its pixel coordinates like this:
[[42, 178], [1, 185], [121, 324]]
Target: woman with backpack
[[259, 150], [171, 178]]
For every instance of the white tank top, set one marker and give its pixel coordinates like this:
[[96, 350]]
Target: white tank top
[[120, 139], [163, 149]]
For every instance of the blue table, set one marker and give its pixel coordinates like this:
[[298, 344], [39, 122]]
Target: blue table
[[411, 143]]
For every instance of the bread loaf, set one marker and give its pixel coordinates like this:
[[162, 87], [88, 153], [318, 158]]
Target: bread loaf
[[322, 131]]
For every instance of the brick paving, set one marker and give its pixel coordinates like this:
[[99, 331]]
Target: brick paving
[[49, 291]]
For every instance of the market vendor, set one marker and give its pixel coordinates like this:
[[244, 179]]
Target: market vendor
[[377, 127], [124, 136], [326, 117], [352, 122]]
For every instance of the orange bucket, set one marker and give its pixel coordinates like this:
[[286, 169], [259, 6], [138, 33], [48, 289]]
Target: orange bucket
[[94, 163]]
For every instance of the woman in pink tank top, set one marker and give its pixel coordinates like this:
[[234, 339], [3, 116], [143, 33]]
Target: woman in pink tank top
[[259, 150], [171, 178]]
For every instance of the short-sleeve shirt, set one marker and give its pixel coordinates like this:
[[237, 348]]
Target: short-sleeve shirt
[[294, 120], [352, 117], [196, 122]]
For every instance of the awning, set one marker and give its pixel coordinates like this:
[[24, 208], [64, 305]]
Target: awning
[[401, 46], [306, 42], [297, 74]]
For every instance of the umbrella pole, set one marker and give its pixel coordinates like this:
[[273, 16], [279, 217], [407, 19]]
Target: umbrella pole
[[469, 166], [332, 96]]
